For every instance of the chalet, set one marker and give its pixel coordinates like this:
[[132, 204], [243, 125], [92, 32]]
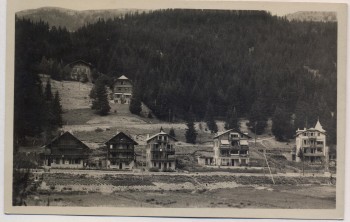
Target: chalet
[[66, 151], [80, 71], [122, 90], [120, 152], [160, 151], [312, 143], [231, 148]]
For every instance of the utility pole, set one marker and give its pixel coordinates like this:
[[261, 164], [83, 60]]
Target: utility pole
[[269, 168], [255, 133]]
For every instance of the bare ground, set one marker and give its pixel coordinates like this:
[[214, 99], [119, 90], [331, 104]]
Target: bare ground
[[283, 197]]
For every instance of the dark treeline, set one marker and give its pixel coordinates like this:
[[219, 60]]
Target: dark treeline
[[257, 64]]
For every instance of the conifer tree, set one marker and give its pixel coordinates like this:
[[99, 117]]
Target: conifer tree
[[232, 121], [57, 110], [48, 92], [135, 104], [191, 133], [281, 124], [100, 103], [258, 117], [209, 118], [172, 132]]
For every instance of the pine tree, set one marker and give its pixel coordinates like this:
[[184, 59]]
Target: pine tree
[[232, 121], [48, 92], [172, 132], [209, 118], [281, 124], [258, 117], [135, 103], [100, 103], [57, 110], [191, 133]]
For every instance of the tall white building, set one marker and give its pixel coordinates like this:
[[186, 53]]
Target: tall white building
[[312, 143]]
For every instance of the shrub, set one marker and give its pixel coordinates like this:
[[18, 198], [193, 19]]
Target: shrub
[[153, 169], [98, 130], [168, 170]]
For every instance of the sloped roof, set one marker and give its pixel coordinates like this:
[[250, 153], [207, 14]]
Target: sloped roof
[[160, 133], [231, 130], [121, 134], [123, 77], [80, 61], [67, 134], [319, 126]]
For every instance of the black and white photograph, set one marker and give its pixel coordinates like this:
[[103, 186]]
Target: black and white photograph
[[172, 104]]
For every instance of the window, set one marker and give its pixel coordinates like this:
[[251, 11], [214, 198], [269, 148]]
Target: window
[[154, 164], [77, 161], [57, 160], [169, 164], [305, 142], [319, 134], [304, 134], [111, 146]]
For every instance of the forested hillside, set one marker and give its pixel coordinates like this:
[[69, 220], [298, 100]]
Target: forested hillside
[[262, 65]]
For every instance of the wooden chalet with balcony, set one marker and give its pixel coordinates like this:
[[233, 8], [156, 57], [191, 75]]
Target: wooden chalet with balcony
[[81, 71], [160, 151], [121, 152], [66, 151], [122, 90], [231, 148]]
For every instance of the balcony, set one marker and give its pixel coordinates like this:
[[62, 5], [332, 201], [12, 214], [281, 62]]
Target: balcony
[[234, 155], [312, 137], [314, 154], [166, 150], [121, 151], [121, 159], [162, 159]]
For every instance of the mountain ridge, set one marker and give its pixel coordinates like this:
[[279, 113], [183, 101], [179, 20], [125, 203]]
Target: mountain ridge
[[73, 19]]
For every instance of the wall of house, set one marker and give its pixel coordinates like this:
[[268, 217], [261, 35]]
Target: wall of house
[[64, 163], [162, 165], [80, 71], [125, 166]]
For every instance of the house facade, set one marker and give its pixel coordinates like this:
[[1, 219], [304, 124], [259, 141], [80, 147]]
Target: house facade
[[312, 143], [122, 90], [80, 71], [160, 151], [66, 151], [120, 152], [231, 148]]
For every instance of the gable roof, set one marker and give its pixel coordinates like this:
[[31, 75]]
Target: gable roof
[[160, 133], [69, 135], [231, 130], [80, 61], [121, 134], [123, 77]]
